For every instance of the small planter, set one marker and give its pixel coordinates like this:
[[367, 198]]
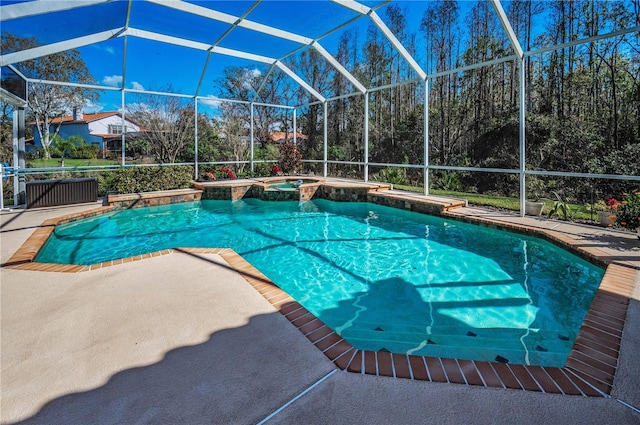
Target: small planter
[[604, 218], [533, 208]]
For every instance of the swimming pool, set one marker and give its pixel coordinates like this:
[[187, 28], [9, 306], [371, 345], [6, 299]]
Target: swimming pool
[[385, 279]]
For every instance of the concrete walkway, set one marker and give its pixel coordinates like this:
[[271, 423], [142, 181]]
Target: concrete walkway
[[185, 339]]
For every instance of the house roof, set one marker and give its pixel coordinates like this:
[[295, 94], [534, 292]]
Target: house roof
[[86, 117], [276, 136]]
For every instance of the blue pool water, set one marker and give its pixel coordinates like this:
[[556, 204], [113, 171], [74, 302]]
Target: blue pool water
[[383, 278], [289, 184]]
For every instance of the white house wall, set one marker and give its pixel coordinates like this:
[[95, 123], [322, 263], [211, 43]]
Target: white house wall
[[101, 126], [90, 132]]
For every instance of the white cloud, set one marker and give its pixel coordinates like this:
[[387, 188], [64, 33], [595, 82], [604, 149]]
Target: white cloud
[[110, 50], [211, 101], [92, 108], [138, 106], [248, 77], [116, 81], [112, 80]]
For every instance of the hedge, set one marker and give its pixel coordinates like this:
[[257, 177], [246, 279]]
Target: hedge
[[145, 179]]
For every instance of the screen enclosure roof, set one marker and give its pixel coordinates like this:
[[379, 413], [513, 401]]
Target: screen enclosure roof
[[187, 47]]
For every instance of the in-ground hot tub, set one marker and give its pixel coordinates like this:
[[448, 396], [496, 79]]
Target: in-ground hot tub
[[287, 189], [289, 184]]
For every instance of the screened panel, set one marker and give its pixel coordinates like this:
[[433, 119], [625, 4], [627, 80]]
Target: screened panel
[[66, 24], [231, 7], [104, 62], [541, 23], [105, 101], [396, 125], [162, 20], [309, 18], [314, 69], [13, 83], [232, 78], [159, 70], [310, 121], [349, 171], [584, 110], [223, 141], [166, 128], [346, 129], [261, 44]]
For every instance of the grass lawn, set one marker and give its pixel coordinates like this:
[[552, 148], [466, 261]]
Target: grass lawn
[[576, 211], [69, 162]]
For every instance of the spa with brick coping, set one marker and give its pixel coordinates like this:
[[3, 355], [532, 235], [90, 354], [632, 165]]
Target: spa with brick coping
[[588, 371]]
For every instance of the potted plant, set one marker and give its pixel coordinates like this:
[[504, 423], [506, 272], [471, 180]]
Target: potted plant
[[627, 212], [561, 207], [534, 204], [605, 211]]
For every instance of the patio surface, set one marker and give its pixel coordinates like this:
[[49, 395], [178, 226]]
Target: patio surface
[[185, 338]]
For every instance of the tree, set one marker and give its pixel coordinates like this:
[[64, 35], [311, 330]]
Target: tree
[[6, 132], [47, 102], [235, 146], [168, 124], [66, 147], [441, 34], [208, 142], [252, 85]]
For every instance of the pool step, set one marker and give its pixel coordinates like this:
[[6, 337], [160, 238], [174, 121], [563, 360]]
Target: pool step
[[509, 348]]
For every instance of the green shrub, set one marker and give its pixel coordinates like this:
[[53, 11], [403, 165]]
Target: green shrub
[[105, 182], [261, 170], [145, 179], [246, 174], [392, 175], [85, 150], [449, 181]]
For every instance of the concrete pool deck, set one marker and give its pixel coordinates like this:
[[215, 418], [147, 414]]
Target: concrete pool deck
[[107, 346]]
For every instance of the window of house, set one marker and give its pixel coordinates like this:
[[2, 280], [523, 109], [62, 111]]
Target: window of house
[[115, 129]]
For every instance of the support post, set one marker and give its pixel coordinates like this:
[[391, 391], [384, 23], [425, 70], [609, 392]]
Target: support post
[[366, 136], [295, 128], [19, 181], [195, 138], [326, 141], [523, 190], [2, 172], [426, 136], [123, 136], [251, 136], [15, 158]]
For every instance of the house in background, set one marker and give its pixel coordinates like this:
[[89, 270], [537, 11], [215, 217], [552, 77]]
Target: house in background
[[97, 129], [275, 137], [280, 137]]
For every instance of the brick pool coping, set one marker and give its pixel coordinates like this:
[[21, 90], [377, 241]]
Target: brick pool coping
[[588, 371]]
